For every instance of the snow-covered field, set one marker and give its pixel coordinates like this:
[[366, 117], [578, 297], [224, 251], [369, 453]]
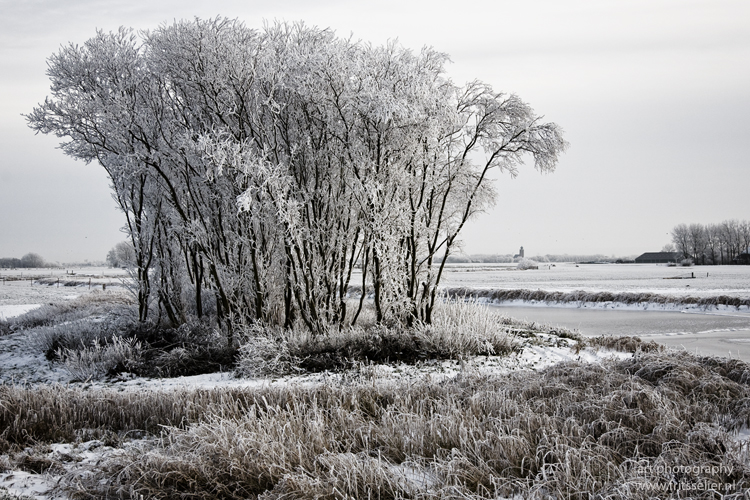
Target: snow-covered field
[[21, 363], [63, 272], [11, 310], [718, 330], [707, 281], [27, 287]]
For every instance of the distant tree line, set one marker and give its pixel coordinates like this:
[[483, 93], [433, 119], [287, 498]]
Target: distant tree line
[[30, 260], [721, 243], [509, 258]]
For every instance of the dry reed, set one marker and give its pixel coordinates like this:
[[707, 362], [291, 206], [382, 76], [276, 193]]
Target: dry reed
[[580, 296], [571, 431]]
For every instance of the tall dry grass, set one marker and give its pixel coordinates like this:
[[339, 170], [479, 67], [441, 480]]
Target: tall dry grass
[[571, 431], [460, 329]]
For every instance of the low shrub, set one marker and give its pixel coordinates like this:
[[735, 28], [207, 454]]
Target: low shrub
[[458, 330], [265, 352], [622, 344], [6, 495], [79, 334], [102, 359], [193, 348], [527, 264], [91, 338], [185, 360]]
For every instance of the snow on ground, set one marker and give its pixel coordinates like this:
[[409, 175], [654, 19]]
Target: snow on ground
[[66, 458], [20, 363], [26, 292], [699, 281], [41, 286], [12, 310], [63, 272], [28, 484], [533, 357], [537, 354]]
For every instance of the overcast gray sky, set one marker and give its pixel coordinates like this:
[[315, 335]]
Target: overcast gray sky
[[653, 96]]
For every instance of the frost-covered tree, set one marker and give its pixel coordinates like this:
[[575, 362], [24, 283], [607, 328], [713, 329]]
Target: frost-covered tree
[[32, 260], [121, 255], [713, 243], [263, 166], [698, 242], [681, 240]]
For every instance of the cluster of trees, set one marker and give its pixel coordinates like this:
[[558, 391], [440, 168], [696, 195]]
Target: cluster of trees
[[121, 255], [30, 260], [721, 243], [259, 167]]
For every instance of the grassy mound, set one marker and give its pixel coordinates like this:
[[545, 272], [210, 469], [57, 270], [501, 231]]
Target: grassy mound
[[96, 339], [459, 330]]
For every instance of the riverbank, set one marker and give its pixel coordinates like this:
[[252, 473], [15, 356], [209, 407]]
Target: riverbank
[[705, 332]]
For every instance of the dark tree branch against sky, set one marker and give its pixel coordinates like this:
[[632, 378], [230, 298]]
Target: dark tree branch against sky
[[652, 96]]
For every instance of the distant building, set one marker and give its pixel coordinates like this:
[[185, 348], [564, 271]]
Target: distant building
[[519, 254], [742, 259], [658, 258]]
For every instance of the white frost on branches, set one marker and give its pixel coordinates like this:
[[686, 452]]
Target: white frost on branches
[[263, 166]]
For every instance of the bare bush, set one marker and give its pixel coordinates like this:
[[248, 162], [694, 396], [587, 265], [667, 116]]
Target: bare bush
[[101, 359], [78, 334], [526, 264], [194, 348], [91, 323], [459, 330], [264, 352], [623, 344]]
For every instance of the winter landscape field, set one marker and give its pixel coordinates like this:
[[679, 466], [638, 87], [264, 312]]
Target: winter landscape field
[[286, 329], [89, 451], [703, 309], [709, 281]]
